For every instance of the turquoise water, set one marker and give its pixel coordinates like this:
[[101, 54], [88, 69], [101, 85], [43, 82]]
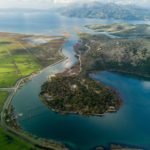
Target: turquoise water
[[130, 125]]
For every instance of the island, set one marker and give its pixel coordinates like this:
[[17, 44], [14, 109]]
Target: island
[[78, 95], [74, 91]]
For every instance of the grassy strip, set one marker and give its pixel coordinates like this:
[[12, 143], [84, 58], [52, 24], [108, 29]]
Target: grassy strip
[[11, 142]]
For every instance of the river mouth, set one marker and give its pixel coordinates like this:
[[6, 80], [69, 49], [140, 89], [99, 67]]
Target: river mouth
[[80, 132]]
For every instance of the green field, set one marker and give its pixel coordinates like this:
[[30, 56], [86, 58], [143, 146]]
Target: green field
[[15, 62], [20, 55], [20, 58], [12, 67], [10, 142]]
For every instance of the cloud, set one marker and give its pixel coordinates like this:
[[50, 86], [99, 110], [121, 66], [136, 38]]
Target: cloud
[[44, 4]]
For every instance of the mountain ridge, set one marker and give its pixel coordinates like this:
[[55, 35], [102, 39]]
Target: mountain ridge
[[106, 11]]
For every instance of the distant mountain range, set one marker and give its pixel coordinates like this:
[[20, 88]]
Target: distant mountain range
[[106, 11]]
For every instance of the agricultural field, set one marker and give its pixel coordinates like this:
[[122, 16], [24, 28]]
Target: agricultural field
[[14, 65], [20, 56]]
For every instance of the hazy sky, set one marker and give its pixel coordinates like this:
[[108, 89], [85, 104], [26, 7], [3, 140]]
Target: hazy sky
[[48, 3]]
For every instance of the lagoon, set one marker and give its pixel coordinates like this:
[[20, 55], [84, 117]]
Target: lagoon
[[130, 125]]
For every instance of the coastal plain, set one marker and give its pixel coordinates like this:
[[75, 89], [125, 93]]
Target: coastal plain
[[23, 55]]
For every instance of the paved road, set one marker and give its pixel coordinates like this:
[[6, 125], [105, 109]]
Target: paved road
[[7, 89]]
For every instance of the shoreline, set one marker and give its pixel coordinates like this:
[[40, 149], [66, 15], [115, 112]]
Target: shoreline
[[77, 113], [136, 75], [118, 146], [126, 73]]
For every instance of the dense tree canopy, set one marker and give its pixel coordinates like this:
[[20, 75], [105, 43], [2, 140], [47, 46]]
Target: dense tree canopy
[[78, 95]]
